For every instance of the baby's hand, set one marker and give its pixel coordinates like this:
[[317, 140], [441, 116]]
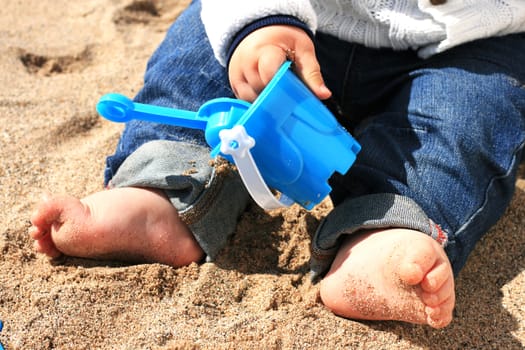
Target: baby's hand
[[258, 57]]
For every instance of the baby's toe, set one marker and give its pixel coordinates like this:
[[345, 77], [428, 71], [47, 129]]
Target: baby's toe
[[436, 277], [47, 247], [440, 316], [440, 295], [48, 212], [36, 232]]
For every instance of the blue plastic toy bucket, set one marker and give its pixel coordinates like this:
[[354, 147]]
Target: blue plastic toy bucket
[[298, 142]]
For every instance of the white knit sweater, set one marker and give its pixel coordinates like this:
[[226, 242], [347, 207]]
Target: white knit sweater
[[397, 24]]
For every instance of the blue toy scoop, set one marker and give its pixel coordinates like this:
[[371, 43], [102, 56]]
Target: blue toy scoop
[[213, 116], [119, 108]]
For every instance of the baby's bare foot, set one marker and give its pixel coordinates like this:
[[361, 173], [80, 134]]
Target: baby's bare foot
[[128, 224], [395, 274]]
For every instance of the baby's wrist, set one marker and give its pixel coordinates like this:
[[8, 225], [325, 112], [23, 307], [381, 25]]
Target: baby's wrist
[[265, 22]]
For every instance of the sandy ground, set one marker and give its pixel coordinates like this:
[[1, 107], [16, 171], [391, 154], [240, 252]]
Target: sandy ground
[[56, 59]]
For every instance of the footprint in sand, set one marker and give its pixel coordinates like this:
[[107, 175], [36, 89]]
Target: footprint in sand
[[139, 11], [50, 65], [78, 124]]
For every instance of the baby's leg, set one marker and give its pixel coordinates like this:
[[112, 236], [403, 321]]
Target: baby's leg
[[163, 189], [444, 143], [127, 224]]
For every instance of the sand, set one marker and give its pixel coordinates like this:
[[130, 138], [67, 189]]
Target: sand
[[56, 59]]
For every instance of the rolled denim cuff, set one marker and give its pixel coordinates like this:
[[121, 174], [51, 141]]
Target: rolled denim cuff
[[208, 194], [375, 211]]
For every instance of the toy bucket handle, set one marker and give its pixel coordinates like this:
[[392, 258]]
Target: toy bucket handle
[[237, 143]]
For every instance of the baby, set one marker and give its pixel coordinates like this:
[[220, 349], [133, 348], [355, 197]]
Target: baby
[[435, 99]]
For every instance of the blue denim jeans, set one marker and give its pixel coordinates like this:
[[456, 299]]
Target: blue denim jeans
[[446, 132], [441, 139]]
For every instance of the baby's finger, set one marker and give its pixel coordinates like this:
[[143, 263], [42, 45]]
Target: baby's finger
[[269, 63], [245, 91], [254, 76], [240, 85], [309, 70]]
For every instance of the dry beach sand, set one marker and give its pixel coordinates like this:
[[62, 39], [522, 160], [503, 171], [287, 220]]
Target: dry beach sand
[[56, 59]]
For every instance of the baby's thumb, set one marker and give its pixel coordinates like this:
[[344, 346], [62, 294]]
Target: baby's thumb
[[311, 75]]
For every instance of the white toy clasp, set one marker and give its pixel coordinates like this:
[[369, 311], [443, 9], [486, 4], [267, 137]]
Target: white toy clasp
[[237, 143]]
